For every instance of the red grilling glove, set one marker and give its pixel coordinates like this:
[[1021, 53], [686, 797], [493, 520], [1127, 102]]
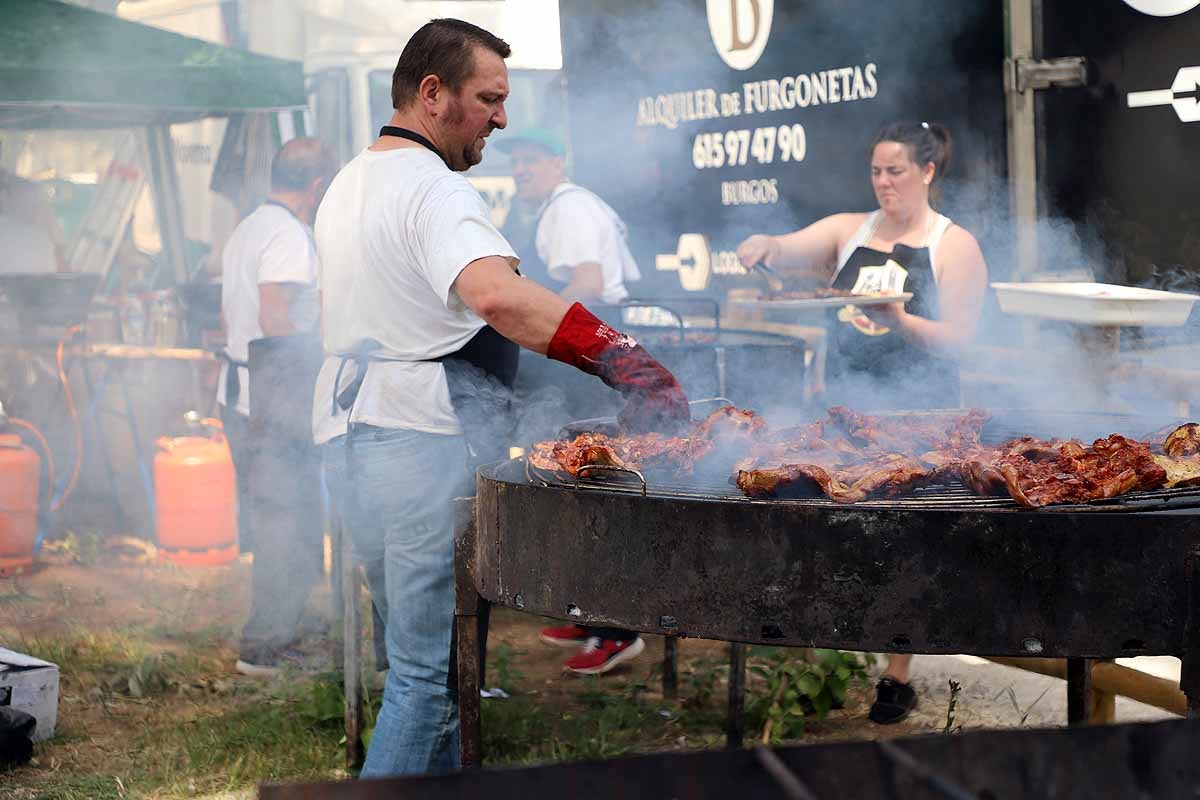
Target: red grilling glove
[[654, 400]]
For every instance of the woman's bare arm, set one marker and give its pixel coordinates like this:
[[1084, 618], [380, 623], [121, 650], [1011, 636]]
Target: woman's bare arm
[[809, 252]]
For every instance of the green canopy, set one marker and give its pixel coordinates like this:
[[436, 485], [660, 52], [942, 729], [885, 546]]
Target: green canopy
[[63, 66]]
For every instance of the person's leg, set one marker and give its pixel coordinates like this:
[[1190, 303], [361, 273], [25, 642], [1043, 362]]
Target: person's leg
[[895, 698], [289, 556], [237, 434], [898, 666], [403, 483]]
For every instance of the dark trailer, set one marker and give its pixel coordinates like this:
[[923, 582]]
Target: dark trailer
[[702, 122]]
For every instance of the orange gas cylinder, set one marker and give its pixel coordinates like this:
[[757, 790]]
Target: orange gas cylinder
[[196, 499], [20, 468]]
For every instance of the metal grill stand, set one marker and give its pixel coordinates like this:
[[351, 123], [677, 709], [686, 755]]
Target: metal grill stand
[[1081, 583]]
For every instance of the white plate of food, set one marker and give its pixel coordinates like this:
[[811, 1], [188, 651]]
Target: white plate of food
[[814, 299]]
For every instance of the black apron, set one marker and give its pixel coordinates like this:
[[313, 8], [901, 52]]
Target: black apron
[[279, 370], [479, 375], [283, 372], [869, 367]]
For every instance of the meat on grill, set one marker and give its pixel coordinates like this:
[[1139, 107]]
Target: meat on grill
[[726, 427], [887, 476], [850, 457], [1110, 467]]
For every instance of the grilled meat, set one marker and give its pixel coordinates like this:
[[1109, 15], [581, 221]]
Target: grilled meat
[[886, 476], [678, 455], [1183, 441], [851, 457], [1026, 469]]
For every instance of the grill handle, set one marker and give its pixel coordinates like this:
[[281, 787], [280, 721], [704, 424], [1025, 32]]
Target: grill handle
[[610, 468]]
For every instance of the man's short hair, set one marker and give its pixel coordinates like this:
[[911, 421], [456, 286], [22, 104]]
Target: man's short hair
[[442, 47], [299, 162]]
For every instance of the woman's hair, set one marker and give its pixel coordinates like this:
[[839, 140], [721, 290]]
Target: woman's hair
[[926, 142]]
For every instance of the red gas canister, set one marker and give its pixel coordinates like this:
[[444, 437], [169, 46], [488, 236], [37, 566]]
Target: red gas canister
[[20, 468], [196, 499]]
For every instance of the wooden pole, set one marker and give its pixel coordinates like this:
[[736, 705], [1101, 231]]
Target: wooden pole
[[469, 652], [351, 648], [1111, 679]]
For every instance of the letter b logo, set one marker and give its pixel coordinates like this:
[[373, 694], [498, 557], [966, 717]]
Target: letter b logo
[[740, 29]]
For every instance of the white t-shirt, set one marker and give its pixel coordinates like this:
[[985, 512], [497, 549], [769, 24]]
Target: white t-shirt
[[268, 246], [394, 231], [577, 227]]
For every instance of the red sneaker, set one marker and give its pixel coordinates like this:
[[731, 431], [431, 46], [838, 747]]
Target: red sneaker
[[600, 655], [565, 635]]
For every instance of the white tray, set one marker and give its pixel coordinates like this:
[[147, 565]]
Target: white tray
[[822, 302], [1095, 303]]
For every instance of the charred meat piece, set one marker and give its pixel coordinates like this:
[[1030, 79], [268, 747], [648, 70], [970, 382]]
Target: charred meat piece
[[1110, 467], [586, 449], [730, 422], [887, 476], [911, 433], [1183, 441], [678, 455]]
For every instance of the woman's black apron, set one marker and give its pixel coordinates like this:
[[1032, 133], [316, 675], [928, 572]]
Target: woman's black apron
[[872, 368]]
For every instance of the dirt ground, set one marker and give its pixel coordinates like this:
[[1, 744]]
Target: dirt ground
[[194, 615]]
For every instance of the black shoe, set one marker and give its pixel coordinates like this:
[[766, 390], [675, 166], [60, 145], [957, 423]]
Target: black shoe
[[893, 701]]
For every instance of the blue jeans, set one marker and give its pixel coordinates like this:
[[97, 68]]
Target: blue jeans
[[396, 506]]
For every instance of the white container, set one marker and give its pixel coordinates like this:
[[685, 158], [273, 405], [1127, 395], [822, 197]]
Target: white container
[[1095, 303], [31, 685]]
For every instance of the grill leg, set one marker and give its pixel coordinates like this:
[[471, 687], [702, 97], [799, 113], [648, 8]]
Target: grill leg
[[1189, 676], [468, 638], [670, 667], [1079, 691], [735, 725]]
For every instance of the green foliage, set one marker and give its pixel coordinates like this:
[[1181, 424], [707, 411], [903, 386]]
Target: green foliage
[[501, 671], [81, 787], [791, 689]]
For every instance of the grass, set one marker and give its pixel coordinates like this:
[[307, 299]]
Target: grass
[[149, 709]]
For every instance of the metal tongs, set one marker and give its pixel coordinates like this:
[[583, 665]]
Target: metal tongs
[[769, 275]]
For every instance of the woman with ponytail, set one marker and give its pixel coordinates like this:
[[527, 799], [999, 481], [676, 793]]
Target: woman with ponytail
[[900, 355]]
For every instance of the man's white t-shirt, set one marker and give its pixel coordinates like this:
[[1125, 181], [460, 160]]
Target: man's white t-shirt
[[577, 227], [394, 231], [268, 246]]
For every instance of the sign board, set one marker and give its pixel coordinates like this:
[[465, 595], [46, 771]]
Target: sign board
[[703, 121]]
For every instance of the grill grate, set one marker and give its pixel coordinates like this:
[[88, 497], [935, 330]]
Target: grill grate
[[954, 496]]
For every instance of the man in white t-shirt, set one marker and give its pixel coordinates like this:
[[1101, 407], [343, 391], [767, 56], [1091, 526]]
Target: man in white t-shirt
[[579, 243], [269, 289], [422, 312], [578, 248]]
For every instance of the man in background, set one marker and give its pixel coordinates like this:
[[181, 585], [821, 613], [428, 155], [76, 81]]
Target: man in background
[[577, 248], [269, 289]]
